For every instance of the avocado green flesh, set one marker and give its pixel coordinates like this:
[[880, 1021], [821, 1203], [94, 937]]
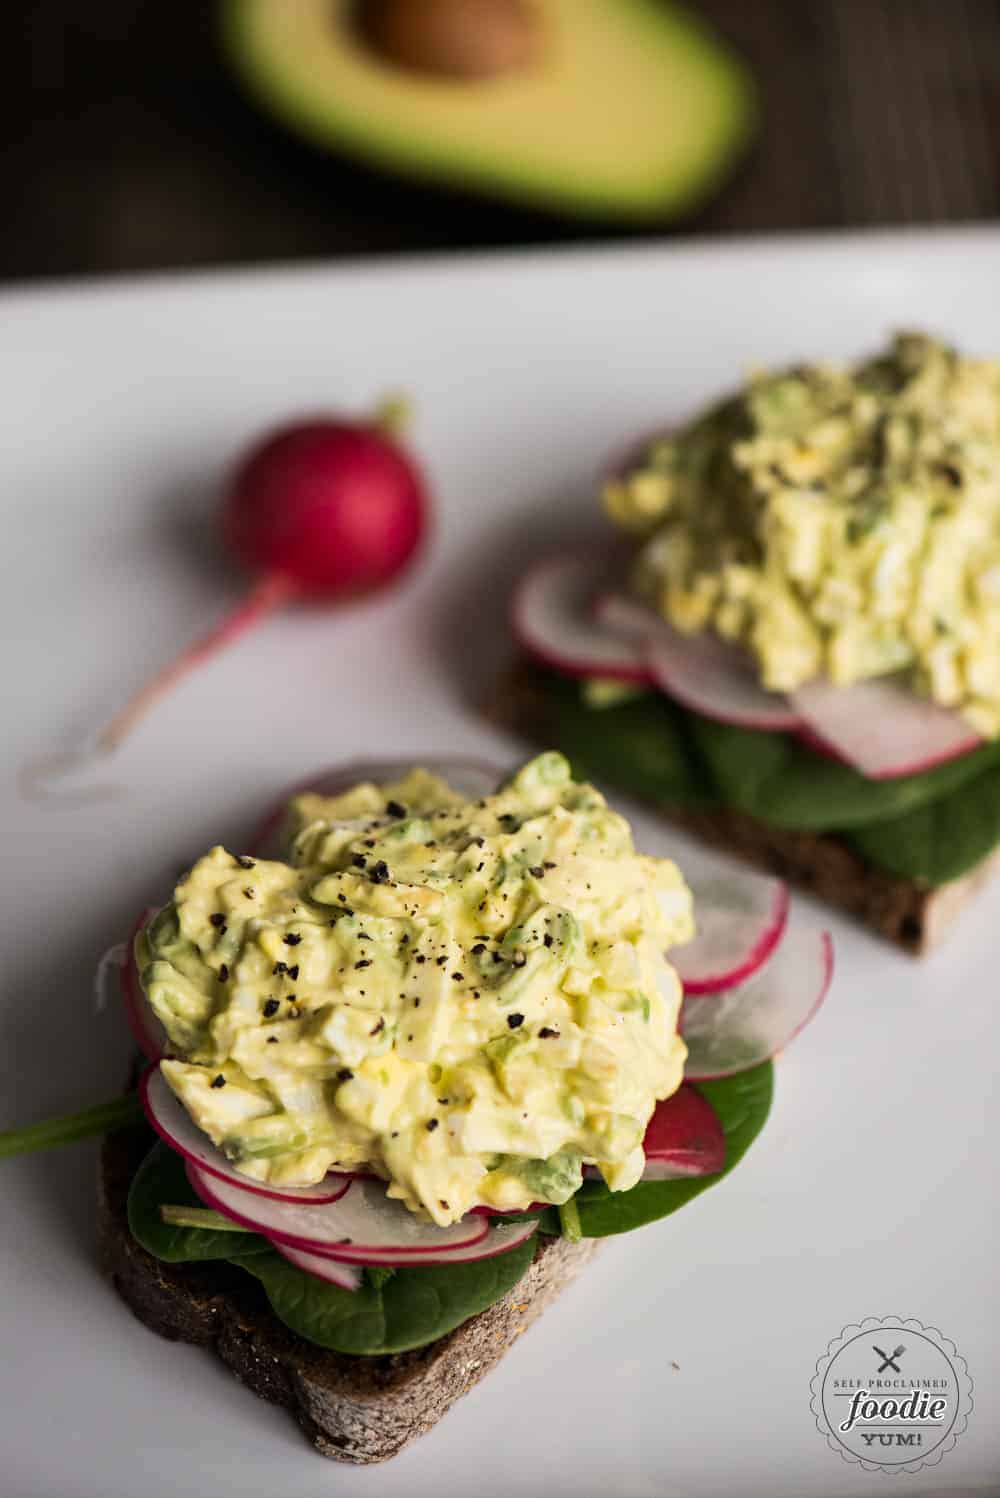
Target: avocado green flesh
[[932, 828], [633, 108]]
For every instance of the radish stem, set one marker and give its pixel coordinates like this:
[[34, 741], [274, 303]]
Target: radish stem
[[270, 593], [72, 1126]]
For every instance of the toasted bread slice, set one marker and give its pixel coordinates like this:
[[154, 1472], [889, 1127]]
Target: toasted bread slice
[[913, 915], [353, 1409]]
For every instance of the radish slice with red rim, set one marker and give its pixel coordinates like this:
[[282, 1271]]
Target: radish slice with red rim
[[484, 1211], [881, 727], [739, 920], [737, 1028], [684, 1138], [717, 680], [499, 1238], [472, 778], [365, 1226], [700, 671], [171, 1120], [148, 1033], [552, 617], [345, 1276]]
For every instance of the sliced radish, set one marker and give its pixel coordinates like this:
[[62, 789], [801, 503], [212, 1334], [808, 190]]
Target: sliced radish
[[735, 1029], [497, 1240], [484, 1211], [552, 620], [148, 1033], [684, 1138], [717, 680], [700, 671], [472, 778], [364, 1227], [882, 727], [739, 920], [625, 616], [819, 746], [346, 1276], [170, 1119]]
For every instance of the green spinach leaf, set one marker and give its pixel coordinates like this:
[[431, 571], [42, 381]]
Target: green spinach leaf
[[941, 841], [413, 1307], [742, 1103], [642, 745], [161, 1178], [774, 778], [923, 827]]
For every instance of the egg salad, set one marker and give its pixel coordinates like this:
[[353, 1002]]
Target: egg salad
[[468, 998], [838, 521]]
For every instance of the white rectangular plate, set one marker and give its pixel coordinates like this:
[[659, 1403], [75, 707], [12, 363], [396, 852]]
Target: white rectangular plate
[[680, 1363]]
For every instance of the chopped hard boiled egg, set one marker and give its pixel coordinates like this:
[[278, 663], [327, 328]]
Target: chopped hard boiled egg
[[842, 522], [468, 998]]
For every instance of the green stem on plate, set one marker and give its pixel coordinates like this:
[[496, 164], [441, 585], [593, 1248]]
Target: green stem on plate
[[569, 1221], [200, 1217], [72, 1126]]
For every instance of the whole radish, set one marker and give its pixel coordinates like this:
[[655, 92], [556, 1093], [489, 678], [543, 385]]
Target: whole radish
[[321, 509]]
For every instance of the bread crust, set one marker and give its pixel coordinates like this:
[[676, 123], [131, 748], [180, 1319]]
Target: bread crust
[[353, 1409], [912, 915]]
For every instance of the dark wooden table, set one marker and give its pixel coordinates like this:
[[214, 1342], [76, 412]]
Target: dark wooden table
[[126, 144]]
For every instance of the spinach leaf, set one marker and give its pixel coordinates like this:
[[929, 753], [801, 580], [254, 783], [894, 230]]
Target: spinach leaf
[[161, 1178], [405, 1308], [413, 1307], [778, 780], [642, 745], [941, 841], [742, 1103], [923, 827]]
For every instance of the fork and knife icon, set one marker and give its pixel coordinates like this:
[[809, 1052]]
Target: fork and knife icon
[[889, 1358]]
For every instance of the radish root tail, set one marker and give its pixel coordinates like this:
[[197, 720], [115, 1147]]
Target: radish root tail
[[269, 594]]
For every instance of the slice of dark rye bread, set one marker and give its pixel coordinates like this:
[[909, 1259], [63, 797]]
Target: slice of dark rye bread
[[913, 915], [353, 1409]]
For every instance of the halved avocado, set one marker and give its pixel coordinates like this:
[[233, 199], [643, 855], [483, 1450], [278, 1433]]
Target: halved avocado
[[632, 108]]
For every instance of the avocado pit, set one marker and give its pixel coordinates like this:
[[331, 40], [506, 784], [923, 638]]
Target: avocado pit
[[460, 39]]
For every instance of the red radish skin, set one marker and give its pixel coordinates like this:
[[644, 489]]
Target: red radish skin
[[468, 1241], [321, 510], [742, 919], [474, 778], [737, 1028], [552, 621], [812, 741], [325, 1228], [345, 1276], [701, 671], [882, 728], [147, 1031], [333, 505], [498, 1239], [484, 1211], [684, 1137], [167, 1116]]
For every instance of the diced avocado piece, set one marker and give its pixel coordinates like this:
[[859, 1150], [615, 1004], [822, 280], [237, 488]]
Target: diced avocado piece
[[551, 1180], [547, 940], [632, 109]]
